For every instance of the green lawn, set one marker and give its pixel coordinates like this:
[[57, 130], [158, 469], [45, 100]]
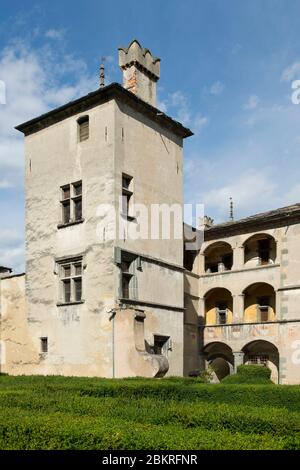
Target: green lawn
[[82, 413]]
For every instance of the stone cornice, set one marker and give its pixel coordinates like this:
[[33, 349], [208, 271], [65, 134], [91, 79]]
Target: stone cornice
[[95, 98]]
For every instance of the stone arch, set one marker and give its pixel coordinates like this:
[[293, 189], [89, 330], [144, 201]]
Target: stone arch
[[218, 257], [218, 306], [260, 249], [259, 302], [220, 357], [263, 352]]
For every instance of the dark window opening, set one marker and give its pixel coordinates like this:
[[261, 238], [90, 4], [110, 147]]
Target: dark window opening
[[264, 251], [263, 307], [227, 260], [160, 344], [67, 290], [189, 259], [71, 281], [44, 345], [128, 275], [66, 212], [126, 278], [212, 268], [127, 194], [222, 313], [71, 202], [78, 289]]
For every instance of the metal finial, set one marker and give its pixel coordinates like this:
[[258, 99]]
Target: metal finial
[[231, 209], [102, 73]]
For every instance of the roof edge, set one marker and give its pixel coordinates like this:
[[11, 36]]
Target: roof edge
[[96, 97]]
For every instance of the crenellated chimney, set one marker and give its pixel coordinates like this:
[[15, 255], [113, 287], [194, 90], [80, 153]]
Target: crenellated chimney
[[141, 71], [205, 222]]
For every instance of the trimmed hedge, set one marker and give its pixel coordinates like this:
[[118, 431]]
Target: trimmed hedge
[[168, 414], [250, 374]]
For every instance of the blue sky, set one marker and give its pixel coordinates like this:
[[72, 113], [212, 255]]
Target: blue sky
[[226, 72]]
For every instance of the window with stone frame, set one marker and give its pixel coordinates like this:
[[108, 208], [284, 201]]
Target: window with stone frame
[[128, 281], [70, 277], [71, 202], [127, 195]]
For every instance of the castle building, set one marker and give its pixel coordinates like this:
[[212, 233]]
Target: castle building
[[98, 300]]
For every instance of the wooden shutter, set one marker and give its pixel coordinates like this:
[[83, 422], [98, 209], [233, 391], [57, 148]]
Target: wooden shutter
[[84, 129]]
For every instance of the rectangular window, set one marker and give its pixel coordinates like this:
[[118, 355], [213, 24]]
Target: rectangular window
[[222, 313], [44, 345], [83, 128], [161, 345], [71, 281], [263, 308], [71, 202], [126, 278], [127, 195], [264, 251], [260, 359]]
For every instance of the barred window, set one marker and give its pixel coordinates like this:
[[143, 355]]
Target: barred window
[[258, 359]]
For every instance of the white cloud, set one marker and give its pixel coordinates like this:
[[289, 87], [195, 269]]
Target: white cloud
[[36, 81], [55, 33], [199, 123], [252, 102], [177, 104], [4, 184], [217, 88], [250, 187], [291, 72]]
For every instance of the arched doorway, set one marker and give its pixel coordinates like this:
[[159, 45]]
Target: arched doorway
[[218, 257], [218, 306], [260, 250], [220, 357], [263, 353], [259, 303]]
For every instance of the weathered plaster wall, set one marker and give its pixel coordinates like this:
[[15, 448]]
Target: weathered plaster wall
[[18, 354], [79, 335], [153, 157]]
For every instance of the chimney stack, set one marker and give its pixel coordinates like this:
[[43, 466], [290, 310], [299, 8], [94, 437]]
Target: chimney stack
[[141, 71], [205, 222]]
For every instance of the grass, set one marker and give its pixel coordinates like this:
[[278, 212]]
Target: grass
[[83, 413]]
